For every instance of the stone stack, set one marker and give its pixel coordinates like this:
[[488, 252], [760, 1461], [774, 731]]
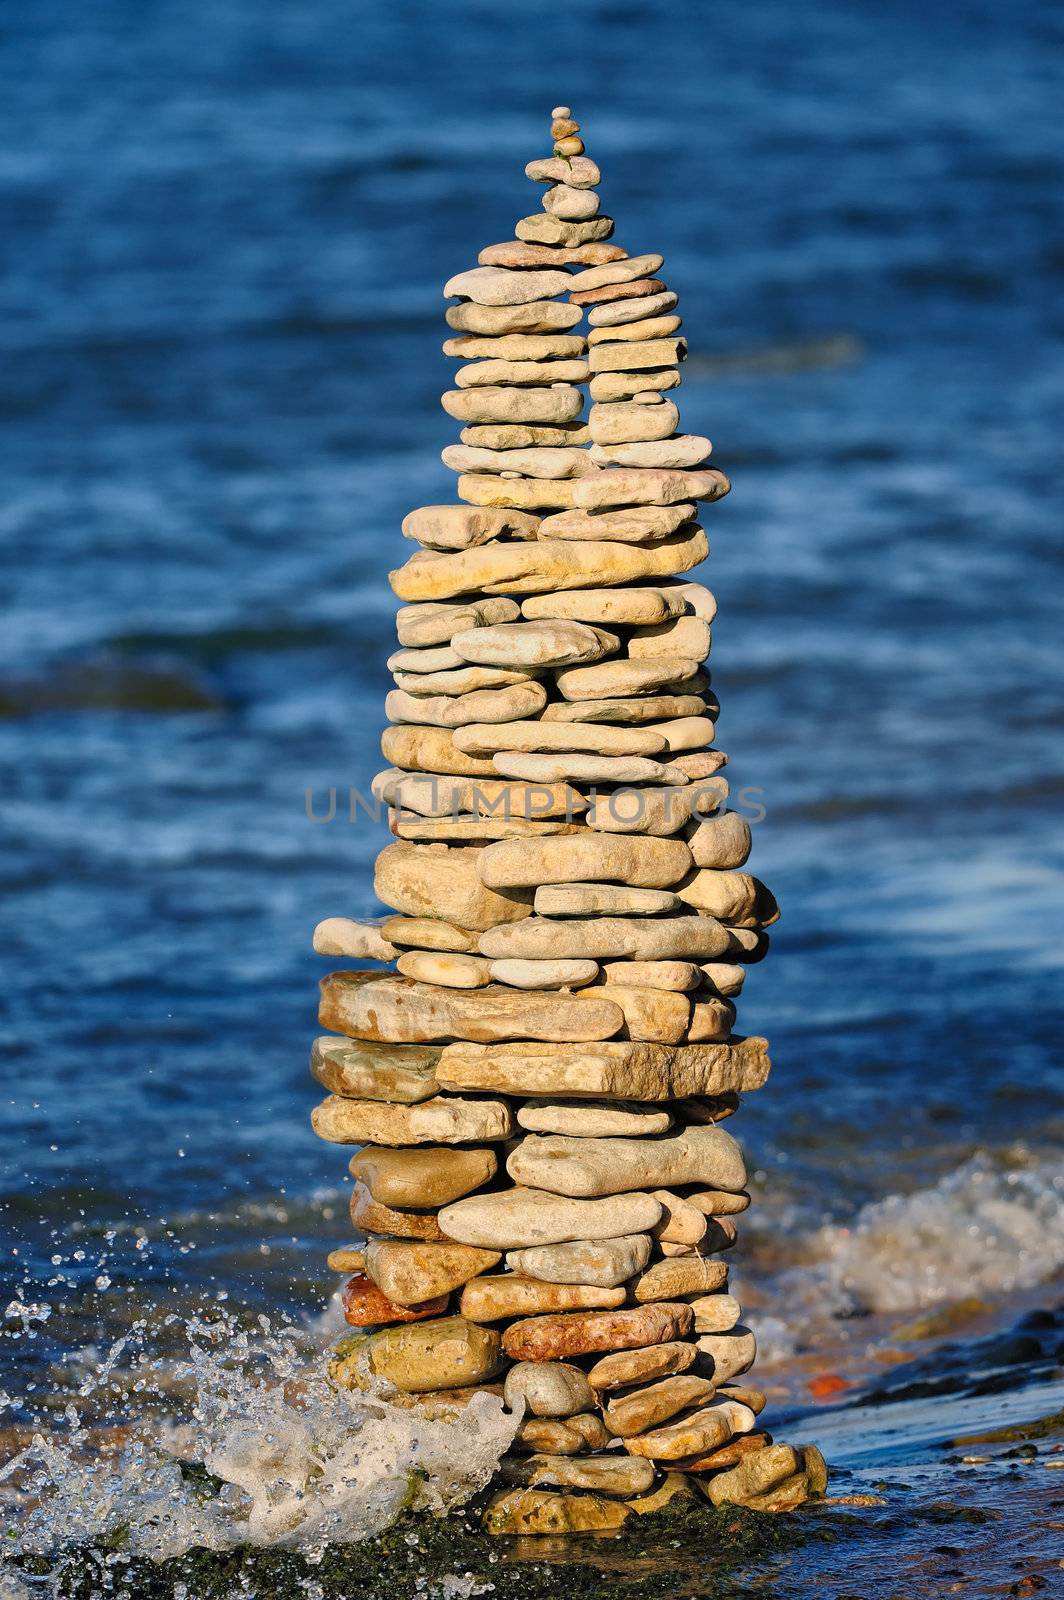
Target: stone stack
[[543, 1183]]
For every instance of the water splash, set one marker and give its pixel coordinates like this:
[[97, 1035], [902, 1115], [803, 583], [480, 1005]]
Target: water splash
[[268, 1454]]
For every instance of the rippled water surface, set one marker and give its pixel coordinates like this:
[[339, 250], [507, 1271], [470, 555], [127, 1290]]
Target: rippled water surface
[[220, 312]]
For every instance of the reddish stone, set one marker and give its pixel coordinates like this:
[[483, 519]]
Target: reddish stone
[[729, 1455], [518, 253], [579, 1333], [366, 1307], [635, 289]]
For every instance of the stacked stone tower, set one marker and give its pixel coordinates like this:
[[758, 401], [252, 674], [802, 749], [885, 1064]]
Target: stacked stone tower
[[544, 1185]]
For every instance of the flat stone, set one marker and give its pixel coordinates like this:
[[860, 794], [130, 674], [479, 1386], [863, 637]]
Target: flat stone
[[517, 253], [718, 1202], [688, 637], [627, 1367], [636, 355], [535, 1511], [445, 882], [685, 733], [433, 624], [639, 1410], [615, 678], [612, 1070], [534, 644], [602, 938], [447, 1119], [654, 317], [625, 271], [438, 795], [756, 1474], [547, 1389], [519, 435], [459, 527], [436, 658], [428, 749], [629, 607], [503, 404], [684, 450], [631, 486], [542, 228], [410, 1272], [426, 1178], [680, 1223], [368, 1005], [638, 525], [512, 1219], [426, 933], [598, 1120], [602, 900], [539, 316], [635, 289], [367, 1306], [544, 974], [538, 462], [625, 709], [346, 1259], [441, 967], [403, 1073], [444, 1354], [370, 1217], [613, 1474], [542, 565], [461, 680], [698, 1432], [626, 385], [721, 841], [685, 1275], [577, 767], [577, 1333], [507, 1295], [552, 1436], [657, 812], [526, 494], [728, 1354], [729, 1455], [516, 346], [606, 1262], [347, 936], [500, 286], [572, 205], [554, 737], [622, 421], [584, 858], [493, 371], [590, 1168], [674, 1486], [679, 976], [485, 705], [579, 172], [470, 830]]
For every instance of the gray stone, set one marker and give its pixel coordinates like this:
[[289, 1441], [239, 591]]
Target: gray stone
[[512, 1219], [548, 1389], [591, 1168], [500, 286], [603, 1261]]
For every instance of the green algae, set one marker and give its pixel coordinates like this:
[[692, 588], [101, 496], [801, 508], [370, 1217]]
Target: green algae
[[684, 1550]]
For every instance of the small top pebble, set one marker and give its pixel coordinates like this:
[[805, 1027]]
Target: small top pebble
[[559, 113]]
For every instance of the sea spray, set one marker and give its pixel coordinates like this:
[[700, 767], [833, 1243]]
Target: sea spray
[[270, 1454]]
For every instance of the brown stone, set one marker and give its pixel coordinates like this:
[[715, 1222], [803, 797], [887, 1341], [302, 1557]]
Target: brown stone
[[584, 858], [756, 1474], [557, 1338], [665, 1280], [371, 1005], [446, 1119], [611, 1070], [410, 1273], [370, 1216], [639, 1410], [405, 1074], [729, 1455], [535, 1511], [425, 749], [521, 254], [698, 1432], [628, 1367], [508, 1295], [423, 1177], [367, 1306]]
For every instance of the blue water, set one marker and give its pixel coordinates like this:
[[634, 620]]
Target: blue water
[[227, 227]]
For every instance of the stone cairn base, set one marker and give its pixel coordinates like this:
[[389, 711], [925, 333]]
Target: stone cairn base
[[543, 1182]]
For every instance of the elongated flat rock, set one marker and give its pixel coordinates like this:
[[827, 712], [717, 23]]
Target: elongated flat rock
[[440, 795], [637, 355], [605, 938], [590, 1168], [610, 1474], [538, 316], [582, 767], [507, 1295], [579, 172], [633, 267], [697, 1433], [506, 404], [500, 286], [532, 568], [427, 749], [445, 883], [579, 1119], [624, 710], [512, 1219], [451, 970], [621, 421], [629, 607], [578, 1333], [369, 1005], [602, 900], [635, 486], [542, 228], [447, 1119], [603, 1261], [644, 1408], [460, 527], [445, 1354], [682, 450], [454, 711], [542, 461], [689, 1275], [613, 1070], [547, 737], [544, 974], [625, 385], [515, 346], [519, 253], [402, 1073], [534, 644], [434, 623], [640, 1366], [348, 936], [584, 858]]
